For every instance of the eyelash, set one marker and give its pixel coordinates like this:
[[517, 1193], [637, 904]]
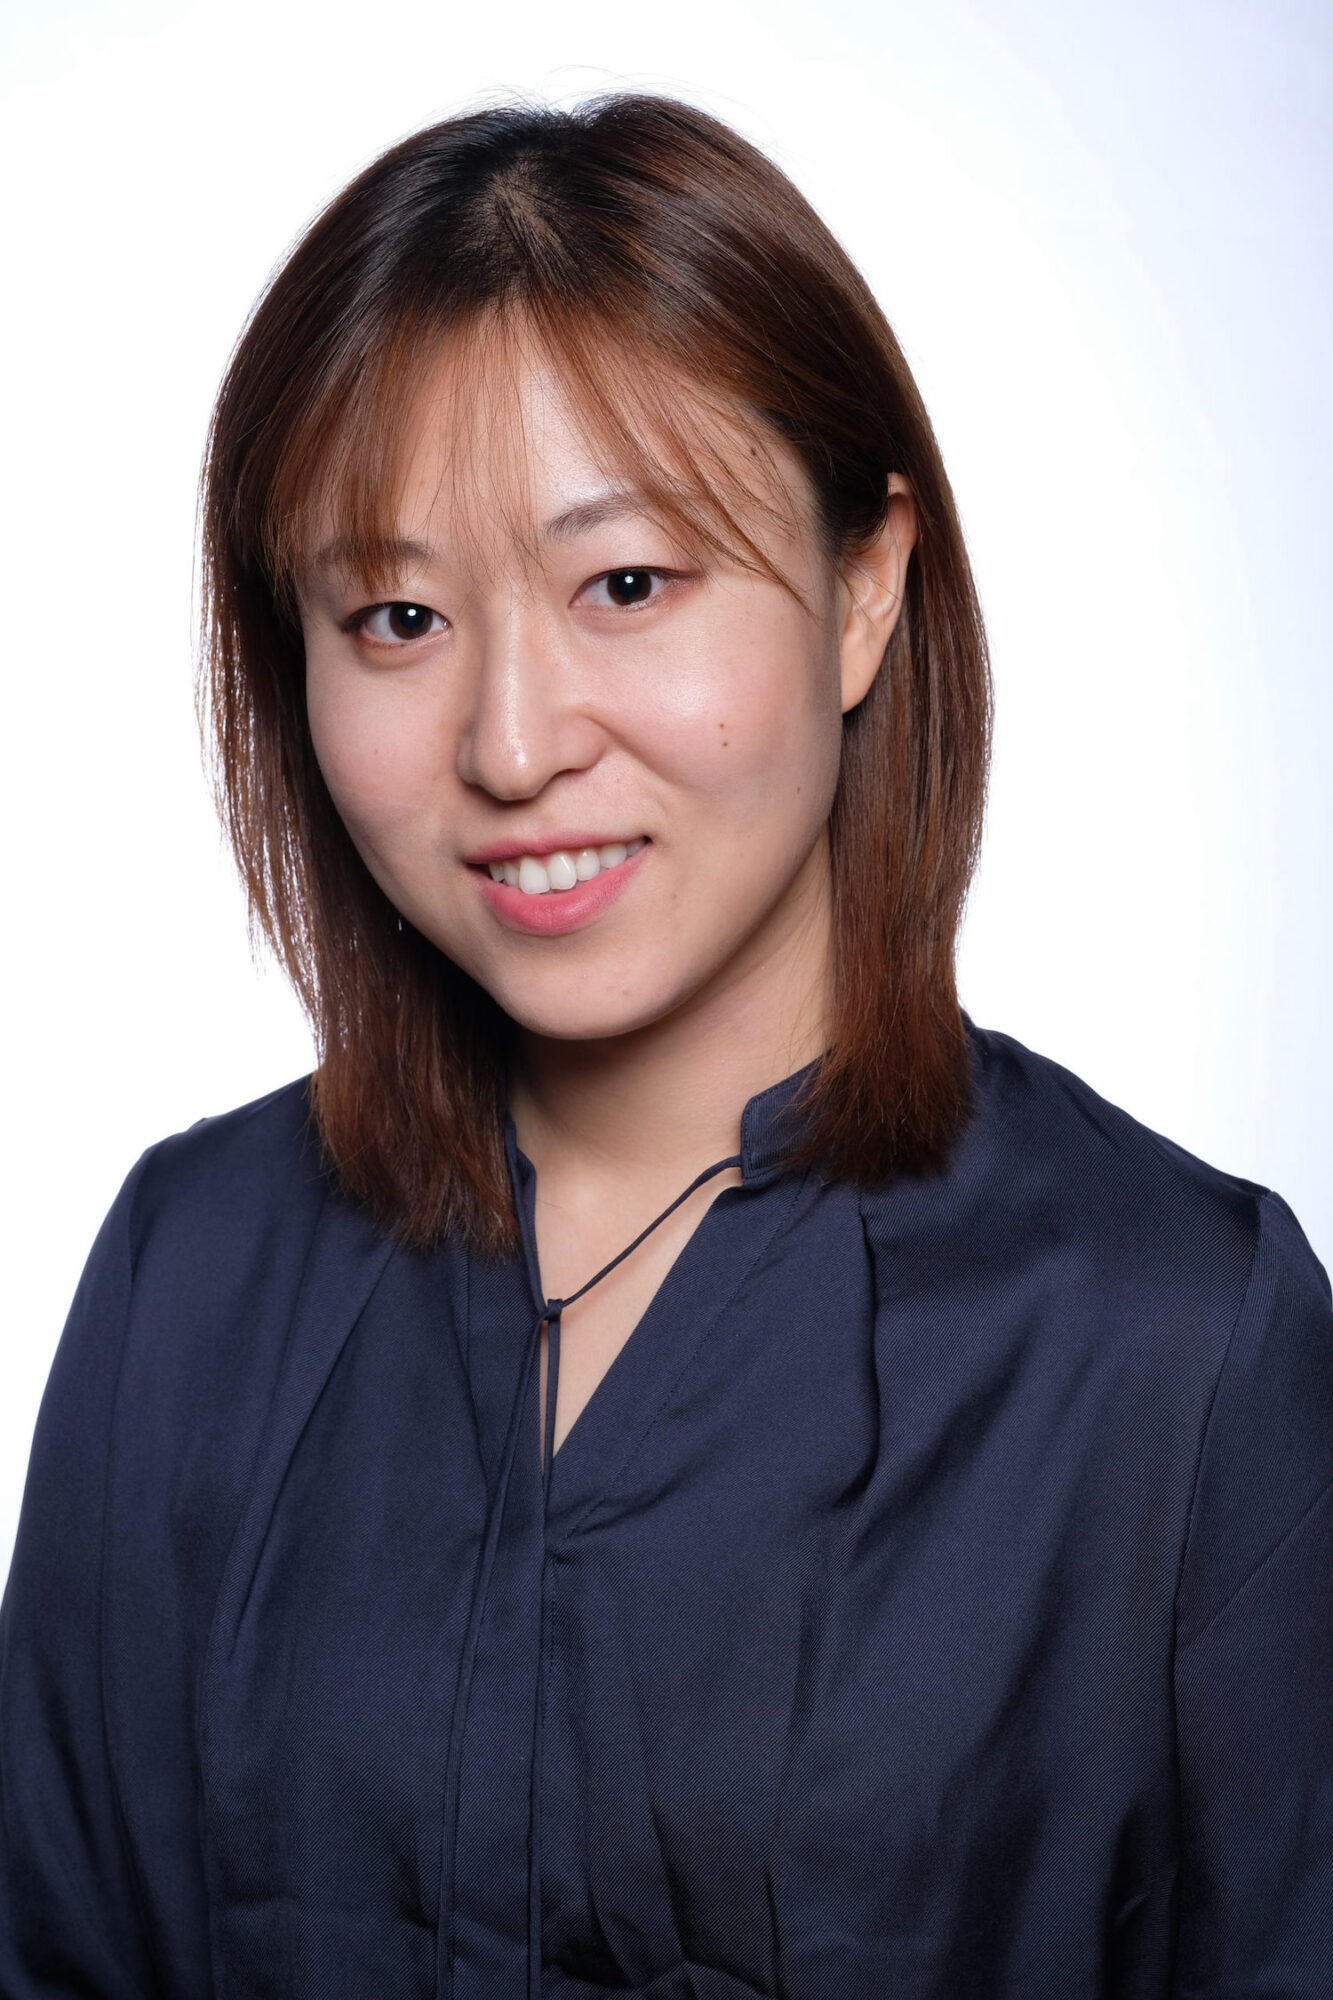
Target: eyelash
[[360, 619], [663, 576]]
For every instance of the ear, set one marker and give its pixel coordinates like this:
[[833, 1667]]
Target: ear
[[874, 582]]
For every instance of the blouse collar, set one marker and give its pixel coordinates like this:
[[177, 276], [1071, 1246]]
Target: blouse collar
[[770, 1123]]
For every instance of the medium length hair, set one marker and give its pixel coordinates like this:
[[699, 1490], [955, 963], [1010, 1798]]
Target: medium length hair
[[668, 269]]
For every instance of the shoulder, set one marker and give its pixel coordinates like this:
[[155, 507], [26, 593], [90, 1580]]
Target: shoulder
[[1060, 1167], [210, 1234], [1117, 1237], [240, 1168], [171, 1328], [1182, 1264], [209, 1191], [183, 1326], [1029, 1104], [1076, 1244]]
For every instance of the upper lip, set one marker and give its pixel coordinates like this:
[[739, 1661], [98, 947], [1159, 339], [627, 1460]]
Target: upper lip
[[546, 843]]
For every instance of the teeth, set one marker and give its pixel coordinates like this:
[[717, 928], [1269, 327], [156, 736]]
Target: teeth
[[562, 870]]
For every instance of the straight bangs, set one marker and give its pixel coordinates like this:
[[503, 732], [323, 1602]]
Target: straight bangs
[[653, 428], [687, 299]]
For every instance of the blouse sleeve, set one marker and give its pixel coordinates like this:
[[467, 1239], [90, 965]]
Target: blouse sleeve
[[69, 1920], [1254, 1647]]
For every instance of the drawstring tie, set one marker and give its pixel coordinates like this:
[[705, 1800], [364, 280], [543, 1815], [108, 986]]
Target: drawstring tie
[[474, 1982], [550, 1316], [550, 1311]]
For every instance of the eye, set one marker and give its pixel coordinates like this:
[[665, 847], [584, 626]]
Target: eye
[[625, 588], [387, 623]]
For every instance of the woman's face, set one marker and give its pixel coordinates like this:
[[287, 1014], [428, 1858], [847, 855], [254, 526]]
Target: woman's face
[[641, 747]]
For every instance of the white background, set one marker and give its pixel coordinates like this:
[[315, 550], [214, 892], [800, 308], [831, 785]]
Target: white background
[[1103, 236]]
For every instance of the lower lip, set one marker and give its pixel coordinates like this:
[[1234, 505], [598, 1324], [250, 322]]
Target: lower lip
[[559, 910]]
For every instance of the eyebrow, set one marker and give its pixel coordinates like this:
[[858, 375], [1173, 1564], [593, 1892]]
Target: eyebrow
[[341, 553], [589, 514], [403, 553]]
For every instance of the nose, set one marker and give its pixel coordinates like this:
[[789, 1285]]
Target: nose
[[528, 721]]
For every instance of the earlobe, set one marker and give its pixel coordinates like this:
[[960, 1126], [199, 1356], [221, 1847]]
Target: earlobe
[[875, 579]]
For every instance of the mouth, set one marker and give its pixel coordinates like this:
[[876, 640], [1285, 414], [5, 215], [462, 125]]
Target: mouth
[[556, 872]]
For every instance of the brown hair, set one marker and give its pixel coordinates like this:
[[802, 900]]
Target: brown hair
[[632, 229]]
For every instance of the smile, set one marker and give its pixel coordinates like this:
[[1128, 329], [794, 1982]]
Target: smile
[[564, 870]]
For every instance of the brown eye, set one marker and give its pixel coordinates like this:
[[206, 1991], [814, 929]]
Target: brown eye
[[398, 621], [408, 621], [629, 586], [627, 589]]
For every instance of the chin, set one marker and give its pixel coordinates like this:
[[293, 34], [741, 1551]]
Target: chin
[[583, 1017]]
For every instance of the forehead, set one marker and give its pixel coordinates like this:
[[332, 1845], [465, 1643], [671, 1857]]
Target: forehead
[[497, 440], [503, 441]]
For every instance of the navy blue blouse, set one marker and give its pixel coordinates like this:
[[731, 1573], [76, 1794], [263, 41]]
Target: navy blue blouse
[[935, 1597]]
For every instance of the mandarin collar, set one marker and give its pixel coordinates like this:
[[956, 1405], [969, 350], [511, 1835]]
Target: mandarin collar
[[769, 1123]]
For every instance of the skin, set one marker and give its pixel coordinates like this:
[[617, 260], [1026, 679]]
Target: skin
[[707, 718]]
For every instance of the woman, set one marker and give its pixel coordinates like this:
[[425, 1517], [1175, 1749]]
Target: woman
[[675, 1464]]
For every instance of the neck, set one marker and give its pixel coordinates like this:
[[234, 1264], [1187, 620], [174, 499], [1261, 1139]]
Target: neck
[[662, 1101]]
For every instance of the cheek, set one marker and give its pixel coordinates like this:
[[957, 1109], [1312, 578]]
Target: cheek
[[756, 731], [377, 758]]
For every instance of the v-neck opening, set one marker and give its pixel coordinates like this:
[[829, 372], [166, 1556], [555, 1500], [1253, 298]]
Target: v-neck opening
[[527, 1192], [639, 1385], [634, 1331], [637, 1380]]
